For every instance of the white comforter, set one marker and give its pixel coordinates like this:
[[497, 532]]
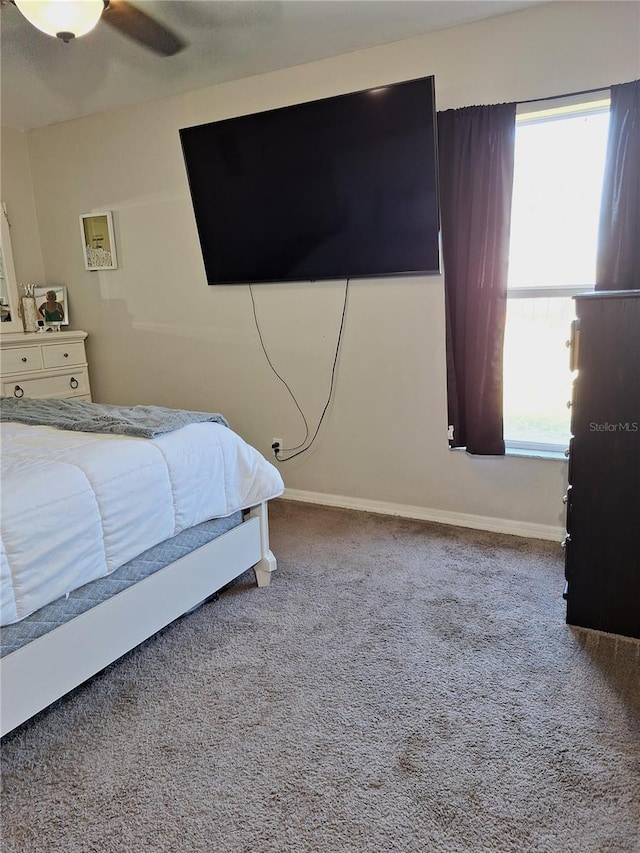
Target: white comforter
[[76, 506]]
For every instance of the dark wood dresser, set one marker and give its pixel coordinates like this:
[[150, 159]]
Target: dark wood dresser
[[603, 499]]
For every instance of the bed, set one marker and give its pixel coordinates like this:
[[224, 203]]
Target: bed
[[108, 536]]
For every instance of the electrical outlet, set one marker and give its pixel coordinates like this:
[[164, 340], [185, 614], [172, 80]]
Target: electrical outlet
[[277, 441]]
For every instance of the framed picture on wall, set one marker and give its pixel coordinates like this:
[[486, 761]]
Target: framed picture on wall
[[98, 243], [52, 306]]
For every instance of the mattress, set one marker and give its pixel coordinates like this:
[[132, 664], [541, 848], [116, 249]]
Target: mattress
[[77, 506], [51, 616]]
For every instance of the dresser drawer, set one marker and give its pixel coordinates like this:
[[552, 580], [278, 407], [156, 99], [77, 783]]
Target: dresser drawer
[[70, 384], [19, 359], [62, 355]]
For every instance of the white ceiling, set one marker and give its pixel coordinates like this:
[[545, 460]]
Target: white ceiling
[[46, 81]]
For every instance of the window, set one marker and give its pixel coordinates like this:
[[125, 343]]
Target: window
[[559, 165]]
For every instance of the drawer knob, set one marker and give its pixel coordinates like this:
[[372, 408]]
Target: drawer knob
[[565, 541], [73, 382], [567, 452], [24, 358], [18, 391], [565, 499], [569, 404], [65, 354]]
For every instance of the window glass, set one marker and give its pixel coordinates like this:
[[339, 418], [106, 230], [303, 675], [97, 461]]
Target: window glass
[[556, 200], [559, 167], [537, 380]]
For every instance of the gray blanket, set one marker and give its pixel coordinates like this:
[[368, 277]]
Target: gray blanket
[[138, 421]]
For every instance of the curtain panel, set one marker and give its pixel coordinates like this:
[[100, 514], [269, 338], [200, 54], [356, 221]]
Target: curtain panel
[[476, 157], [618, 258]]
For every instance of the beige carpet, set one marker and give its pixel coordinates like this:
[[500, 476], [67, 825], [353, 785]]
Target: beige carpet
[[400, 686]]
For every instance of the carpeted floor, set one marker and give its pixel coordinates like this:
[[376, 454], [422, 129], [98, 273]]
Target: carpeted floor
[[400, 686]]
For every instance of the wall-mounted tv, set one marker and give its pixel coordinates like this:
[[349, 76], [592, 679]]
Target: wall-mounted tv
[[344, 187]]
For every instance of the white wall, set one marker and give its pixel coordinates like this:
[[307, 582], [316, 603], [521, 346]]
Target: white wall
[[158, 334]]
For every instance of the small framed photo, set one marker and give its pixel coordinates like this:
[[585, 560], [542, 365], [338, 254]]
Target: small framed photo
[[52, 307], [98, 243]]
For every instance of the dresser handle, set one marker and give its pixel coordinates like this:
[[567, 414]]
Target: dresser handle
[[565, 541], [18, 392], [569, 404], [567, 453], [565, 499], [73, 383], [24, 358], [65, 355]]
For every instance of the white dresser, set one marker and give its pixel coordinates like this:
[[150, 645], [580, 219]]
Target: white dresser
[[44, 364]]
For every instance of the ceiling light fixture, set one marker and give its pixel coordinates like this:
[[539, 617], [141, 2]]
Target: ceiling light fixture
[[65, 19]]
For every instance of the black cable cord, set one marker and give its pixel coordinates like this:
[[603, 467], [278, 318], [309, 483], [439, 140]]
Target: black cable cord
[[329, 398], [333, 375], [291, 394]]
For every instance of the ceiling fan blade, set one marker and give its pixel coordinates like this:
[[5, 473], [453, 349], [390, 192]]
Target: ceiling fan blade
[[137, 25]]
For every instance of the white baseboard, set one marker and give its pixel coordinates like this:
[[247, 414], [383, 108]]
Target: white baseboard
[[458, 519]]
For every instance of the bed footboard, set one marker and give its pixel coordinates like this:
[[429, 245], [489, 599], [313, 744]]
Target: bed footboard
[[267, 563]]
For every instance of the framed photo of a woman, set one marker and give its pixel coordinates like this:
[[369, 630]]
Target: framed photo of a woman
[[52, 306], [98, 244]]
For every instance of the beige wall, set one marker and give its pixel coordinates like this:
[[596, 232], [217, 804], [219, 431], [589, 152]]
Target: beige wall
[[158, 334], [16, 191]]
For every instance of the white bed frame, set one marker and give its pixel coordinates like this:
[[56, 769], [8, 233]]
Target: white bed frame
[[34, 676]]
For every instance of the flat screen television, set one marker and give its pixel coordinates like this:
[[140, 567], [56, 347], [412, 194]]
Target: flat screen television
[[344, 187]]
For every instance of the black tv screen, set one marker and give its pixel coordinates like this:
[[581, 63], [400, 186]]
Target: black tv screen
[[344, 187]]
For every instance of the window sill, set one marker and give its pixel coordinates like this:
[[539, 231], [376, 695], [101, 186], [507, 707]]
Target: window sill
[[522, 452], [536, 454]]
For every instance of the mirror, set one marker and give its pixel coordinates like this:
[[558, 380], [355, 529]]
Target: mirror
[[8, 285]]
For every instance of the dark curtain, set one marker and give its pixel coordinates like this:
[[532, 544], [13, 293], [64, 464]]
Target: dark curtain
[[476, 153], [618, 260]]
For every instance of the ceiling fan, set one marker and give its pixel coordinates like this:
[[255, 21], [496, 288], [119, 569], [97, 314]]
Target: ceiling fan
[[68, 19]]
